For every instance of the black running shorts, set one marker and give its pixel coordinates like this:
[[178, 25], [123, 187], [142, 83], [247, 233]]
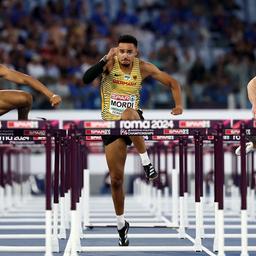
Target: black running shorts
[[107, 139]]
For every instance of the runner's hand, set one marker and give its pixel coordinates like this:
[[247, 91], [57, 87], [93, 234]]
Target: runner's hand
[[177, 110], [112, 52], [55, 100], [254, 111]]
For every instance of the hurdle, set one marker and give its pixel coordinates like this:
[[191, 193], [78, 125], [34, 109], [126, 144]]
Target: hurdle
[[17, 134], [160, 222], [74, 147], [218, 135], [144, 247]]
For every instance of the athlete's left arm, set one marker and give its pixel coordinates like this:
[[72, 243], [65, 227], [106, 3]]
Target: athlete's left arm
[[148, 69]]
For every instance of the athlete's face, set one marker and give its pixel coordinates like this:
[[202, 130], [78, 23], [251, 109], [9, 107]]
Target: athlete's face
[[126, 52]]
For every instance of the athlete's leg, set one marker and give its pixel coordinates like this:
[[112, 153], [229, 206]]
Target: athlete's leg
[[15, 99], [139, 143], [116, 156]]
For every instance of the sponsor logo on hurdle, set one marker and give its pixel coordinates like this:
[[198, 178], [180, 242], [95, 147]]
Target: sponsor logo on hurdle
[[93, 138], [99, 124], [232, 131], [39, 138], [176, 131], [22, 124], [194, 124], [35, 132], [98, 132], [162, 137]]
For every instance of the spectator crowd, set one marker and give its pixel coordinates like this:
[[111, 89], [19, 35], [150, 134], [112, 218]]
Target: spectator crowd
[[207, 45]]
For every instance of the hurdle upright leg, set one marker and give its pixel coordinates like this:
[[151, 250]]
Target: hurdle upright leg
[[175, 192], [181, 186], [2, 187], [62, 230], [198, 243], [252, 190], [56, 195], [243, 187], [48, 191], [220, 192]]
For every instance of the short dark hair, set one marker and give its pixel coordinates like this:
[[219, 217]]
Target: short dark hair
[[128, 39]]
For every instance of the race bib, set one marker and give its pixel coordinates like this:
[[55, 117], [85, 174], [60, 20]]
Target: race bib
[[119, 102]]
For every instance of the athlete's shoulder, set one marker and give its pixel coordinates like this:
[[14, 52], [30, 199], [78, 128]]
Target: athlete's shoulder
[[147, 68], [147, 65]]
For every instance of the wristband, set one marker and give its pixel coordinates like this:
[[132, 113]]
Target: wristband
[[104, 59]]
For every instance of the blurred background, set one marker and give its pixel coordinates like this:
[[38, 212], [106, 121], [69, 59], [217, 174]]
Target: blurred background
[[207, 45]]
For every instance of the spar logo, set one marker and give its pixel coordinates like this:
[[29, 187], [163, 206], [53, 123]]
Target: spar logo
[[194, 124], [162, 137], [35, 132], [122, 101], [92, 138], [99, 124], [22, 124], [176, 131], [98, 132], [232, 131]]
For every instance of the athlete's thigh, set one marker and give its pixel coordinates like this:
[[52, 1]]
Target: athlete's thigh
[[116, 155], [13, 98]]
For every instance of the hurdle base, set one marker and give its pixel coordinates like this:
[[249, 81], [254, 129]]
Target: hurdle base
[[55, 244], [62, 234], [244, 254], [198, 246], [48, 233]]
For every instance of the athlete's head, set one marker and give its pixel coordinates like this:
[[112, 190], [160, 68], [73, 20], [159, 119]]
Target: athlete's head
[[127, 49]]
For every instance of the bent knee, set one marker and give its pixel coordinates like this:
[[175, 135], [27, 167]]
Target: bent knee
[[130, 114], [25, 99], [116, 183]]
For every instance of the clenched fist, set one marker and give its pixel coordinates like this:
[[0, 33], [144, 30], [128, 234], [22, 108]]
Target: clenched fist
[[55, 100], [177, 110]]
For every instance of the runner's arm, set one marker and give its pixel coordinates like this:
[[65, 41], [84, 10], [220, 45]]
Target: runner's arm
[[169, 81], [251, 89], [97, 69], [20, 78]]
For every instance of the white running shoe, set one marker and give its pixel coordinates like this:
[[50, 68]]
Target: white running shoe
[[248, 148]]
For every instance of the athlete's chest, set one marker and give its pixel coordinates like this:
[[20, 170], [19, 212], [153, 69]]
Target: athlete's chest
[[120, 80]]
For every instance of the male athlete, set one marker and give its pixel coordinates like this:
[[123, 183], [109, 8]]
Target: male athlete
[[251, 89], [20, 100], [122, 74]]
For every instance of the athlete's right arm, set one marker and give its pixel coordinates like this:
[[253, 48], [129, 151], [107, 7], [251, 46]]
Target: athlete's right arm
[[251, 89], [21, 78], [97, 69]]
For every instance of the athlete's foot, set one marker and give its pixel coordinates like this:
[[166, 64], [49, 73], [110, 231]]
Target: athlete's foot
[[249, 147], [41, 118], [150, 171], [123, 239]]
